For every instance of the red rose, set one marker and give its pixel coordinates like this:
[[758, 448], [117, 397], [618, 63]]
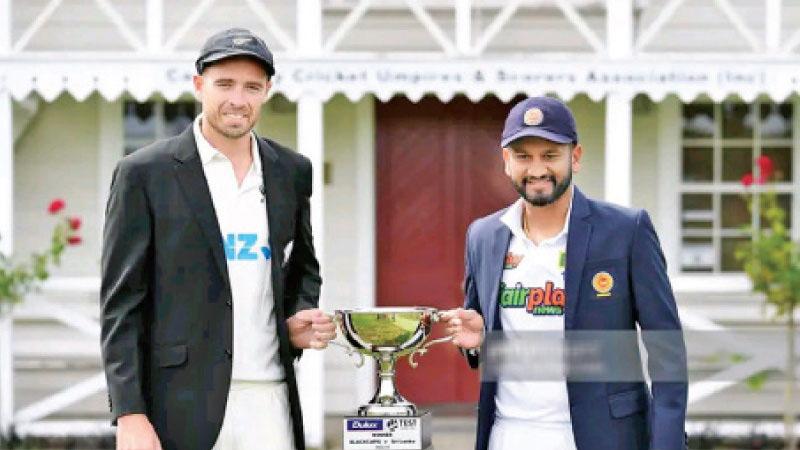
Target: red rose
[[74, 240], [747, 179], [765, 168], [74, 223], [56, 206]]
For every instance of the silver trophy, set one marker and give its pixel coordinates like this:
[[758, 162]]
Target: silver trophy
[[387, 334]]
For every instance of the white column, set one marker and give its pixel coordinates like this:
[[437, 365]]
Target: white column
[[619, 124], [619, 28], [311, 369], [669, 173], [155, 26], [311, 375], [6, 227], [365, 220], [619, 149], [5, 26], [310, 144], [309, 27], [464, 26], [6, 140], [7, 248], [773, 26]]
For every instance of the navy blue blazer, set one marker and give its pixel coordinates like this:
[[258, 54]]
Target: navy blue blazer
[[621, 241]]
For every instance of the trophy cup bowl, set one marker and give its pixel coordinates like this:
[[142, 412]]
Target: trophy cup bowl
[[386, 334]]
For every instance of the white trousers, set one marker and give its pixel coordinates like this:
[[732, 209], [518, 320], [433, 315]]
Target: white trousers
[[257, 417], [513, 434]]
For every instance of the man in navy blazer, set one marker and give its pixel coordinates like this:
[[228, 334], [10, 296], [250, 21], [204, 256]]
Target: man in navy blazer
[[558, 262]]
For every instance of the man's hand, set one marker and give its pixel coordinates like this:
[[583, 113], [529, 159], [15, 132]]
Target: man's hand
[[466, 327], [134, 432], [311, 328]]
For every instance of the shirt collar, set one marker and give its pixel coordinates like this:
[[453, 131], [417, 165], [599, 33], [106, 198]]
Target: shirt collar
[[208, 152], [512, 218]]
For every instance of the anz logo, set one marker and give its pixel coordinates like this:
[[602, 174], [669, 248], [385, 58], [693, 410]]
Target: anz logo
[[242, 247]]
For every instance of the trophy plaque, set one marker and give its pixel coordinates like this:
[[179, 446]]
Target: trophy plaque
[[388, 421]]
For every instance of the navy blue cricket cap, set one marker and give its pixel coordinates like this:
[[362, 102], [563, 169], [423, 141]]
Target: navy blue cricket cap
[[235, 42], [544, 117]]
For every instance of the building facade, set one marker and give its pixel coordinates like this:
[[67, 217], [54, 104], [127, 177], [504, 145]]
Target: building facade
[[399, 104]]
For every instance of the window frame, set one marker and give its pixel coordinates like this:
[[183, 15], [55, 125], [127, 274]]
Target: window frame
[[159, 113], [717, 187]]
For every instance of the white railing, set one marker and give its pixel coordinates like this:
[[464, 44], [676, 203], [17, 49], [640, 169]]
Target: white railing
[[32, 419]]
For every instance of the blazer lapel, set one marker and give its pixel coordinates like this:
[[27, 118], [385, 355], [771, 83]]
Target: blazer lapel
[[496, 258], [272, 179], [580, 230], [192, 179], [274, 191]]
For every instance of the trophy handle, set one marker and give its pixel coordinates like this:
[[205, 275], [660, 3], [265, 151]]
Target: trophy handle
[[347, 348], [350, 352], [424, 349]]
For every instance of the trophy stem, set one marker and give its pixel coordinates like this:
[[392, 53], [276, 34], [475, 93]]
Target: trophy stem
[[387, 391], [387, 401]]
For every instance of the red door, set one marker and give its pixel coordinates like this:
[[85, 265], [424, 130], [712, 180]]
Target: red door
[[439, 167]]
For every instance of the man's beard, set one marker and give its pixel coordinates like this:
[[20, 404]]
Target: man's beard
[[559, 188], [230, 132]]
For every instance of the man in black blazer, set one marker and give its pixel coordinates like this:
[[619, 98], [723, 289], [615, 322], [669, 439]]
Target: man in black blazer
[[209, 279]]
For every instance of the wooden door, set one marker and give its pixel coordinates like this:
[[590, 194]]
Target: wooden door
[[439, 168]]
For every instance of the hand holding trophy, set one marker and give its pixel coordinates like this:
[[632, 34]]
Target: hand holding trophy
[[311, 328], [465, 326]]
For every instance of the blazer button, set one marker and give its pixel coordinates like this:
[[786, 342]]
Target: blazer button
[[228, 353], [229, 303]]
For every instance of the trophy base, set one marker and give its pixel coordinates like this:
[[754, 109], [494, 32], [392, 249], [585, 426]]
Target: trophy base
[[387, 432]]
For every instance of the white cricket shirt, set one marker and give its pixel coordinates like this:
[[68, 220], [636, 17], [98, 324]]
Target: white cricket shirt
[[532, 298], [242, 216]]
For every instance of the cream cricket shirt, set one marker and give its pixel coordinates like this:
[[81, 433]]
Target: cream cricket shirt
[[242, 218], [532, 298]]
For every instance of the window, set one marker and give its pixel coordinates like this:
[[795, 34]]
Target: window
[[720, 144], [150, 121]]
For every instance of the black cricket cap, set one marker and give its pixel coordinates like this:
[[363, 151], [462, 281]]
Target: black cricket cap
[[235, 42]]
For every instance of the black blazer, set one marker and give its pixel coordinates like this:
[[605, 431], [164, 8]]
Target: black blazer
[[166, 305]]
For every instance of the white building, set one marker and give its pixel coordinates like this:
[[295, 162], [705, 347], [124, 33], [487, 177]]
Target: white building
[[399, 104]]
